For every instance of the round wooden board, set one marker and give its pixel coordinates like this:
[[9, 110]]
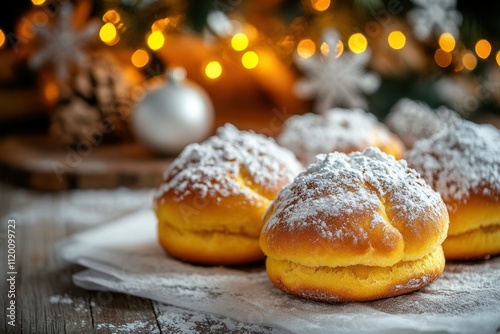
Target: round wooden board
[[38, 163]]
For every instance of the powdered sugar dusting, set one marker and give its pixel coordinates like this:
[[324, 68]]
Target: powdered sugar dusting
[[79, 304], [414, 283], [336, 130], [61, 299], [179, 320], [464, 159], [415, 120], [132, 327], [340, 187], [465, 299], [212, 168]]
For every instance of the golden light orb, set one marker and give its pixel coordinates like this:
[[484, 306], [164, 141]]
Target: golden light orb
[[108, 34], [396, 40], [483, 48], [156, 40], [239, 42], [469, 61], [447, 42], [442, 58], [306, 48], [213, 69], [320, 5], [250, 59], [357, 43], [140, 58]]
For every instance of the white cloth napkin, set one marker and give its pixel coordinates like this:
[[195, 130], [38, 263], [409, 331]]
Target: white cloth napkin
[[124, 256]]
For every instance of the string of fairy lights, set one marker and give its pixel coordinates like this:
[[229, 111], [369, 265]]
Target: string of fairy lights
[[450, 54]]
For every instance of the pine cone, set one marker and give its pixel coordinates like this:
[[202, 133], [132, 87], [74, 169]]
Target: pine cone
[[95, 106]]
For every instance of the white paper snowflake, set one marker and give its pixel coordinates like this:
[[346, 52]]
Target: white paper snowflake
[[434, 16], [61, 45], [335, 82], [219, 24]]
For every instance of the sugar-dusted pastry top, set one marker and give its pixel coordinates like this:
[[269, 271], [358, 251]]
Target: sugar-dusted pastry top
[[415, 120], [361, 208], [342, 130], [231, 163], [458, 162]]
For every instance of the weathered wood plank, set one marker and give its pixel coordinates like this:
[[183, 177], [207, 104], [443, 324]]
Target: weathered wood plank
[[119, 313], [48, 301], [175, 320]]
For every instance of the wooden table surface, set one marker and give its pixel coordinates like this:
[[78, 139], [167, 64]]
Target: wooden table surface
[[47, 301]]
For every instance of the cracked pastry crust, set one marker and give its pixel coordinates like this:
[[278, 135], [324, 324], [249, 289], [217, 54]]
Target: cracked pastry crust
[[351, 219], [213, 197]]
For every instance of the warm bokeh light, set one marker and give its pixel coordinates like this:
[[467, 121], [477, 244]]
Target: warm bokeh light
[[140, 58], [325, 49], [250, 59], [498, 58], [111, 16], [306, 48], [2, 38], [483, 48], [38, 2], [340, 49], [251, 32], [108, 34], [397, 40], [469, 61], [156, 40], [459, 67], [447, 42], [239, 42], [213, 70], [357, 43], [51, 92], [160, 25], [320, 5], [442, 58]]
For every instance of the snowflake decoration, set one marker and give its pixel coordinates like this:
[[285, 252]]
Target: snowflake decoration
[[61, 45], [219, 24], [335, 81], [438, 16]]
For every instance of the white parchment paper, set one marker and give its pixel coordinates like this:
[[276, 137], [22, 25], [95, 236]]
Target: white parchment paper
[[124, 256]]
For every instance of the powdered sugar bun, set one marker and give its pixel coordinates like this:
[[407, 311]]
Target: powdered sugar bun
[[355, 227], [212, 199], [463, 165], [415, 120], [337, 130]]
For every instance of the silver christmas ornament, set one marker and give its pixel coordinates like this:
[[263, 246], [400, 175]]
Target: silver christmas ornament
[[174, 115]]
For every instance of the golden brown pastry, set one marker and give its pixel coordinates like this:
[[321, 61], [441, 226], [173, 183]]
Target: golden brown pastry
[[355, 227], [463, 165], [337, 130], [212, 199]]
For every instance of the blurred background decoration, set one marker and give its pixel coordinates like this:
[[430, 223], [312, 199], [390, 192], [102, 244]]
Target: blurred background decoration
[[71, 67], [242, 53]]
